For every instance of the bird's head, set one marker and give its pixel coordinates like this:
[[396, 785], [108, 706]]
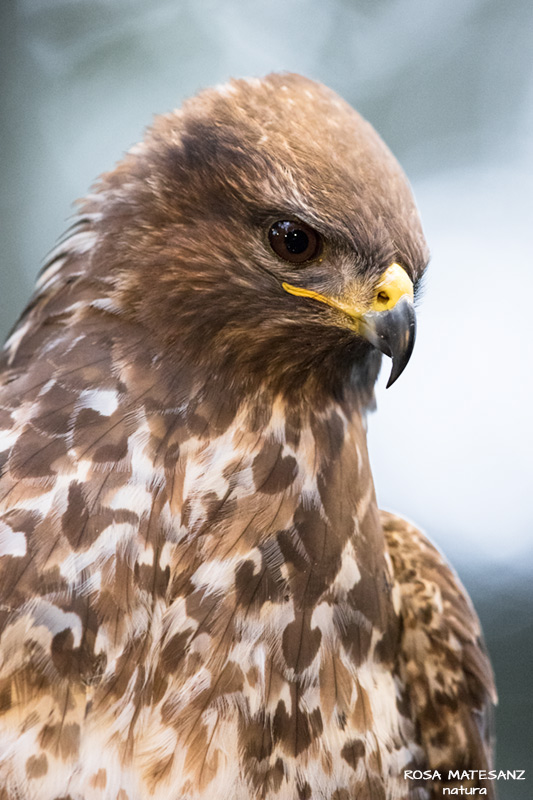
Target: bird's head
[[265, 233]]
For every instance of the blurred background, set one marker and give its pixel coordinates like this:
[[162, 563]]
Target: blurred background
[[449, 85]]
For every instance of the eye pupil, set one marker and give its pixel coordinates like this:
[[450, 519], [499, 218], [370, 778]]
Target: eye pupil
[[294, 241]]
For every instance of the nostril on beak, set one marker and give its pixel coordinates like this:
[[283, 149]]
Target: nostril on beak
[[382, 298]]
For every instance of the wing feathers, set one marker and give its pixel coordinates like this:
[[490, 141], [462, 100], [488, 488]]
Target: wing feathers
[[442, 658]]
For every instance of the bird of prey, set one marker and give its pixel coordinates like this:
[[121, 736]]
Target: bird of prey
[[199, 595]]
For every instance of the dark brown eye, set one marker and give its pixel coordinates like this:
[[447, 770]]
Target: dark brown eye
[[294, 241]]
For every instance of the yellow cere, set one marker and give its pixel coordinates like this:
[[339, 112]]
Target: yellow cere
[[394, 284]]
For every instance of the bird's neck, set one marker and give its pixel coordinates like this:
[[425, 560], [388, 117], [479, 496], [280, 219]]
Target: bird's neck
[[286, 495]]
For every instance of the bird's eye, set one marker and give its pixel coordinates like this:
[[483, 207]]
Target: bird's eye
[[294, 241]]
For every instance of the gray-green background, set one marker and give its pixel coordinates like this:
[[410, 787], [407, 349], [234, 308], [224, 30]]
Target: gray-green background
[[449, 85]]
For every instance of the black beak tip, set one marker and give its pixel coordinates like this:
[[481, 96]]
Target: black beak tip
[[402, 347]]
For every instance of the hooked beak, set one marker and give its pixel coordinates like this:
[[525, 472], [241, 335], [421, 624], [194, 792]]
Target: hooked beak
[[389, 323], [393, 332]]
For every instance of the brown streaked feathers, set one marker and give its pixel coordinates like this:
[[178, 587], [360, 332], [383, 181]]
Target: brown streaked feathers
[[199, 596]]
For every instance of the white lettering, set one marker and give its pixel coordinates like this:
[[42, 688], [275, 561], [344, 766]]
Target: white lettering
[[418, 775], [463, 790]]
